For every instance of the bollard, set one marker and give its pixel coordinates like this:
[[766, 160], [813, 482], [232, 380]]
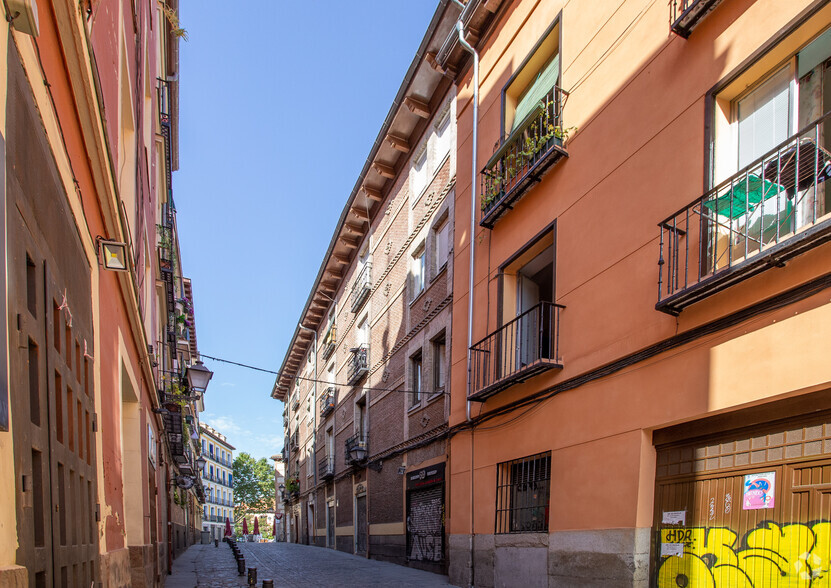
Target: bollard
[[241, 566], [268, 583], [216, 542], [252, 576]]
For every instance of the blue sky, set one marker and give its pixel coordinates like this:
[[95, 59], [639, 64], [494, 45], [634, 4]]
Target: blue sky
[[280, 104]]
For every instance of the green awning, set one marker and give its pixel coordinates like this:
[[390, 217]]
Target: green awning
[[542, 85], [744, 196]]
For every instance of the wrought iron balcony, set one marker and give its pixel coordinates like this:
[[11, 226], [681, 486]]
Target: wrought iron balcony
[[361, 288], [295, 401], [326, 467], [327, 401], [329, 341], [357, 448], [358, 364], [524, 347], [772, 210], [684, 15], [165, 260], [523, 157], [293, 442]]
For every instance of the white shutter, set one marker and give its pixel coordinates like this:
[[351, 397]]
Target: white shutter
[[764, 117], [442, 244]]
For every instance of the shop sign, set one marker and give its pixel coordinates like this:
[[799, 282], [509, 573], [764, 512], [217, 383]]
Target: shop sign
[[759, 490], [428, 476]]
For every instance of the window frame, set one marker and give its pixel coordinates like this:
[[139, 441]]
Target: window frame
[[418, 256], [443, 223], [509, 520], [438, 346], [416, 378], [519, 70]]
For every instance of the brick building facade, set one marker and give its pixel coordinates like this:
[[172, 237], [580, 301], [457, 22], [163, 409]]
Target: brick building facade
[[364, 380]]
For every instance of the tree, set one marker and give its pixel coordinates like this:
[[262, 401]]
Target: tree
[[253, 486]]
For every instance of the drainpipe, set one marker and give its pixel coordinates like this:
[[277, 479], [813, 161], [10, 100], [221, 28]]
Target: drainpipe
[[467, 47], [314, 407]]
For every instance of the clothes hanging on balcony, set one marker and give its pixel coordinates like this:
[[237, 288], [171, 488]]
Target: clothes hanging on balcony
[[743, 196], [784, 169]]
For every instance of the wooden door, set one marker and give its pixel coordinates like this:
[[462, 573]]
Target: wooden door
[[360, 525], [53, 408]]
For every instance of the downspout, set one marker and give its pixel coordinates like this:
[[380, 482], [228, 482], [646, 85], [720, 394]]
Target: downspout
[[467, 47]]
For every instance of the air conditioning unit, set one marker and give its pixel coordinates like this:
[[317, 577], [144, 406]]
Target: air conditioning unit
[[24, 16]]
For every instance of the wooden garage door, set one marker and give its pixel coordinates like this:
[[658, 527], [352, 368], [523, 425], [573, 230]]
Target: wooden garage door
[[752, 509]]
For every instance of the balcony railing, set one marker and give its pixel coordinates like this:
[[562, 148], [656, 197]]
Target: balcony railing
[[361, 288], [294, 441], [327, 401], [326, 467], [772, 210], [522, 348], [330, 340], [358, 364], [357, 448], [684, 15], [295, 401], [522, 158]]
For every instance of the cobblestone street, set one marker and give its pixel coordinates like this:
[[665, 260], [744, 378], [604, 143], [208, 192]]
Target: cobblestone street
[[289, 564]]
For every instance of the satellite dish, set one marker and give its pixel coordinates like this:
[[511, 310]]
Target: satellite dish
[[185, 482]]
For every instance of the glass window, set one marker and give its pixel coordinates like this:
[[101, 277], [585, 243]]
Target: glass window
[[536, 80], [522, 494], [442, 248], [439, 351], [416, 379], [418, 176], [417, 272], [443, 136], [763, 117]]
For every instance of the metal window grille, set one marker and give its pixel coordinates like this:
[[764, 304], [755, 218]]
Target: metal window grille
[[522, 494]]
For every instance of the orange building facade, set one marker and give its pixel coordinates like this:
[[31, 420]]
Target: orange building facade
[[644, 395], [97, 460]]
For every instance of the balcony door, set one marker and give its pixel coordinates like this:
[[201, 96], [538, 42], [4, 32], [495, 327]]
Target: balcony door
[[535, 284]]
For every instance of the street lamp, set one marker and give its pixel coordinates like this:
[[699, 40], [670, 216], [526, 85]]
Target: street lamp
[[358, 452], [200, 463], [198, 376]]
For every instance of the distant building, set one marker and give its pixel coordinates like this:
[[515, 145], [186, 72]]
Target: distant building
[[218, 480]]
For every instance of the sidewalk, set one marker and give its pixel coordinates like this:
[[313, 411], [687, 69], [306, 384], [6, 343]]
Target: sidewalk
[[292, 565]]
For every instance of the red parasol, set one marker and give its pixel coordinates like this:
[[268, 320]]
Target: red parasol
[[227, 527], [256, 525], [245, 526]]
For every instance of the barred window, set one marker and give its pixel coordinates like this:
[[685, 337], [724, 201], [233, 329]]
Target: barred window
[[522, 494]]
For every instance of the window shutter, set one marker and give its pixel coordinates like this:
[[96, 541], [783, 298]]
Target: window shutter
[[544, 82], [764, 117], [442, 245]]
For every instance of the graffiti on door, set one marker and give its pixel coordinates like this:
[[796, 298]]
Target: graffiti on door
[[771, 555]]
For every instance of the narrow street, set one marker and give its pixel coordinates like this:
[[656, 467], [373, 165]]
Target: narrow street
[[289, 564]]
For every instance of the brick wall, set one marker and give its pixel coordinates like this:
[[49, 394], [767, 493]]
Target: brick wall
[[386, 489]]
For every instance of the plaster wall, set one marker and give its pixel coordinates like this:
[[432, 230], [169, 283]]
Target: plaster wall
[[637, 98]]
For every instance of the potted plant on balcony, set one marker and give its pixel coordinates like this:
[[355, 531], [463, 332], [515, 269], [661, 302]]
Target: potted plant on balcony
[[293, 486]]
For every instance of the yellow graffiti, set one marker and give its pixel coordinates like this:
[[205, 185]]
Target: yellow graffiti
[[771, 556]]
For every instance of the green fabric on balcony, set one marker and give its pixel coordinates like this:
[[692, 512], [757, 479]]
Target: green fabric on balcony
[[744, 196], [542, 85]]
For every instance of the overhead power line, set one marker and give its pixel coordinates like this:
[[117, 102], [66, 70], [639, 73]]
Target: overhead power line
[[326, 382]]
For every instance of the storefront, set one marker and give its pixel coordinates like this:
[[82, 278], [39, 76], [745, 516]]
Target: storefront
[[425, 516]]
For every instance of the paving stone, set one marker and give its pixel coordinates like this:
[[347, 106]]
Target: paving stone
[[290, 565]]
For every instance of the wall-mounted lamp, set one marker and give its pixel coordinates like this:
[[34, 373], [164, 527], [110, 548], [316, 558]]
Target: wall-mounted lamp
[[113, 255]]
